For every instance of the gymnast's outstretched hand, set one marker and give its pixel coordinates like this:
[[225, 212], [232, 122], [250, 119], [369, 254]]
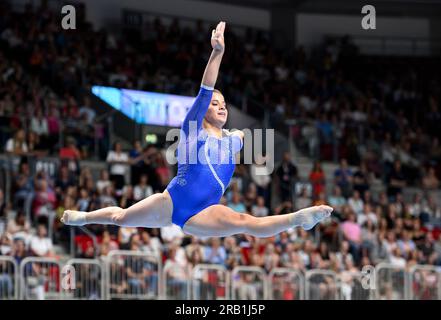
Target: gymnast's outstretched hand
[[217, 37]]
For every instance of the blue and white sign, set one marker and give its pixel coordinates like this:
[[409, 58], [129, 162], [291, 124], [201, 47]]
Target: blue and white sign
[[144, 107]]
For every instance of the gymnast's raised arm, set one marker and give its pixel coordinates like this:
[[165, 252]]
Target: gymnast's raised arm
[[202, 102], [218, 44]]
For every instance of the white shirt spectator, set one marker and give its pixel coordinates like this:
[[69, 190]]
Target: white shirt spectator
[[39, 126], [41, 246], [142, 192], [89, 112], [10, 146], [126, 233], [153, 248], [415, 209], [356, 205], [307, 103], [362, 218], [397, 261], [102, 184], [176, 269], [118, 168]]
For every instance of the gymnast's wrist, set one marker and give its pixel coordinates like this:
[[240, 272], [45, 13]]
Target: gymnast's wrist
[[218, 52]]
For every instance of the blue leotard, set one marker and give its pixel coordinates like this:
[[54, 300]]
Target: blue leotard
[[205, 163]]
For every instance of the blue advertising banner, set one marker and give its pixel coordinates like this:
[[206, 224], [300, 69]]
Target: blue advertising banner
[[144, 107]]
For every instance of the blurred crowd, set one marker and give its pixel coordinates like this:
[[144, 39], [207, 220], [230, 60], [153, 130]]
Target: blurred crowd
[[380, 126]]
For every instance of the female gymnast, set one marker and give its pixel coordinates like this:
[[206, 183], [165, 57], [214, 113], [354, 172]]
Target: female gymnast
[[191, 200]]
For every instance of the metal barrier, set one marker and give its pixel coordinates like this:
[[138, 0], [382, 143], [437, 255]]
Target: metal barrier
[[210, 282], [136, 275], [89, 280], [390, 282], [176, 281], [321, 285], [248, 283], [40, 279], [285, 284], [424, 283], [351, 287], [8, 278], [133, 275]]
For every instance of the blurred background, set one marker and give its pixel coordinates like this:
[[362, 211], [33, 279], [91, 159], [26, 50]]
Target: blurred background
[[83, 119]]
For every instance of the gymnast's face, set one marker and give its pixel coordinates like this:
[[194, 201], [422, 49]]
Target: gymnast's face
[[217, 112]]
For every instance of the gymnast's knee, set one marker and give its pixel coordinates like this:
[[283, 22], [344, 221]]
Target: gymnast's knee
[[247, 223], [118, 215]]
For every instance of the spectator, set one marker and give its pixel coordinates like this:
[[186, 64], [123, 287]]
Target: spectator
[[64, 180], [343, 177], [5, 248], [40, 245], [215, 253], [53, 124], [369, 239], [118, 161], [150, 245], [352, 233], [19, 227], [261, 178], [176, 274], [17, 145], [286, 174], [18, 250], [356, 203], [127, 198], [23, 185], [45, 199], [39, 125], [125, 236], [194, 245], [162, 171], [361, 179], [317, 179], [367, 214], [36, 144], [142, 189], [405, 244], [396, 180], [303, 200], [70, 155], [337, 201], [259, 210], [137, 162], [87, 111], [107, 197], [396, 259], [430, 180], [103, 181], [107, 244], [140, 278], [431, 210], [83, 202], [236, 204]]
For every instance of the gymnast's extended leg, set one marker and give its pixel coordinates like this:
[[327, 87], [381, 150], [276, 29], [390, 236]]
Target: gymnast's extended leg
[[221, 221], [152, 212]]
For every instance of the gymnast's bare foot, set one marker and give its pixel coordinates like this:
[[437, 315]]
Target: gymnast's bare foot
[[74, 218], [307, 218]]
